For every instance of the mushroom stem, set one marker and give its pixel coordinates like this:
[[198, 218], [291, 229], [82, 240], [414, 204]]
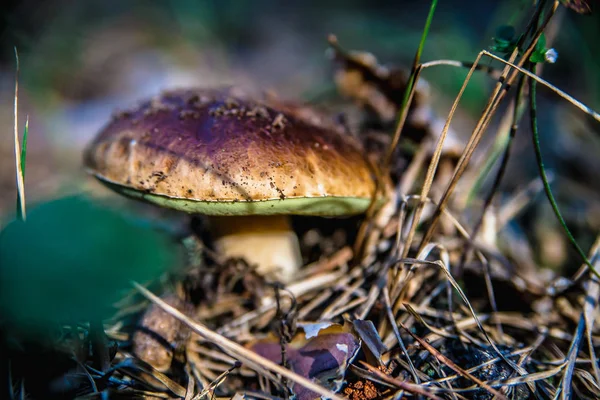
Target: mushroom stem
[[265, 241]]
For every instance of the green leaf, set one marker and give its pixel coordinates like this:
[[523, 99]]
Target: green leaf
[[541, 43], [539, 53], [72, 259], [504, 40], [537, 57]]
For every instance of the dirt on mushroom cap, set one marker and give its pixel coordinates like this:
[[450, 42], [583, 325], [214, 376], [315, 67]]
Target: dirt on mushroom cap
[[209, 151]]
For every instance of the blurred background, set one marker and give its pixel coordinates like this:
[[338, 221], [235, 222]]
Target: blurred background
[[81, 60]]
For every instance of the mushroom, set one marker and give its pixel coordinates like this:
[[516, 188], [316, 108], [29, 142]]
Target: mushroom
[[244, 164]]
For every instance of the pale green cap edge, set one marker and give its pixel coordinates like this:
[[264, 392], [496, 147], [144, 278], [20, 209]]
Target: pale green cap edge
[[330, 206]]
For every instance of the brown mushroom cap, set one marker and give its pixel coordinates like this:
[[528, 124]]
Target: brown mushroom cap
[[210, 152]]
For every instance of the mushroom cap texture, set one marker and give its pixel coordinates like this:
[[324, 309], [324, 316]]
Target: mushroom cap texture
[[218, 152]]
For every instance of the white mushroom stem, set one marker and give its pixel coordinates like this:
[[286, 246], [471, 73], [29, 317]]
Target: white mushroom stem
[[267, 242]]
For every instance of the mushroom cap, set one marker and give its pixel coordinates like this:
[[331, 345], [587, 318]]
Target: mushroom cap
[[216, 153]]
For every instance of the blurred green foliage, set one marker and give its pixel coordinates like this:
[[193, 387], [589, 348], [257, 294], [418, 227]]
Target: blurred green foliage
[[65, 38], [505, 39], [72, 259]]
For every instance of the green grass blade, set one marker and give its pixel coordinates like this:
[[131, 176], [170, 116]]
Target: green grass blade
[[412, 80], [425, 33], [19, 154], [547, 189], [23, 157], [24, 147]]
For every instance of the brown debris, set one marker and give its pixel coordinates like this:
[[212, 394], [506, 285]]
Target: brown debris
[[361, 390], [158, 334], [279, 122]]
